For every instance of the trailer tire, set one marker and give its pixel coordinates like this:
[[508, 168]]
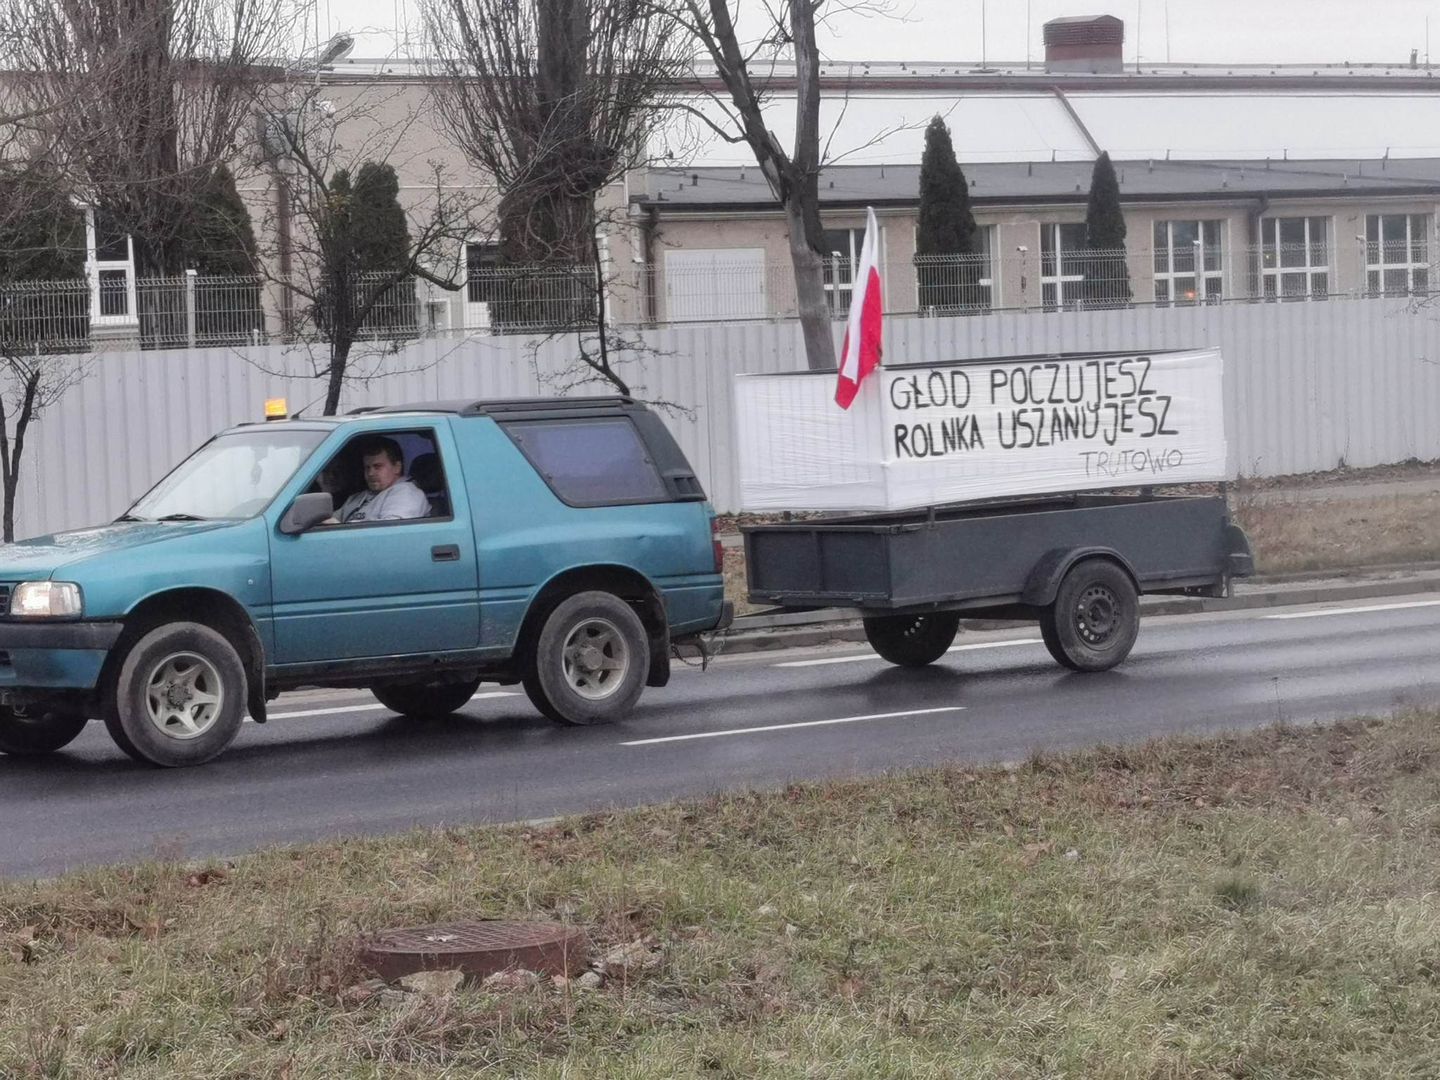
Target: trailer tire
[[591, 660], [422, 700], [1093, 623], [27, 734], [912, 640]]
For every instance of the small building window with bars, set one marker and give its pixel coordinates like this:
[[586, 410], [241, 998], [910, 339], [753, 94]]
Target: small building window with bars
[[1397, 254], [1295, 258], [1189, 262]]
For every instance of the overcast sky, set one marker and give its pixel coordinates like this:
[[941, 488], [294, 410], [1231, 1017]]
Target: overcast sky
[[1240, 31]]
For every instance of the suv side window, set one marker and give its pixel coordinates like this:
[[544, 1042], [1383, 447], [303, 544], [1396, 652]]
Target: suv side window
[[344, 477], [596, 461]]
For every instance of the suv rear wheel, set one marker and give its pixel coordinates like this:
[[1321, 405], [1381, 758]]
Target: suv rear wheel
[[590, 660], [180, 696], [26, 732], [425, 699]]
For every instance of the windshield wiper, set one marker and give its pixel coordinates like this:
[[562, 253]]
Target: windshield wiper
[[131, 517], [182, 517]]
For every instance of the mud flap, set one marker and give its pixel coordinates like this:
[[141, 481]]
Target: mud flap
[[255, 677], [659, 659]]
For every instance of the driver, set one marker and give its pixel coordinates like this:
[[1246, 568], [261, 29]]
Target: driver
[[387, 497]]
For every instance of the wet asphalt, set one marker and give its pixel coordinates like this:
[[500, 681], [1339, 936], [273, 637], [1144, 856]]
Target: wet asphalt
[[336, 764]]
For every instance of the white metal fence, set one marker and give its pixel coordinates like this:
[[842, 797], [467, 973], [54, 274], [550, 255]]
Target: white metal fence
[[704, 286], [1308, 386]]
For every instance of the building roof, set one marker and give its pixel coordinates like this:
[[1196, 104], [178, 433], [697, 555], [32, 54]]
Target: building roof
[[865, 127], [999, 184], [964, 74]]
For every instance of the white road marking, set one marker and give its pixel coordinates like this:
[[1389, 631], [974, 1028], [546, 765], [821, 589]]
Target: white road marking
[[1354, 610], [373, 707], [790, 727], [875, 656]]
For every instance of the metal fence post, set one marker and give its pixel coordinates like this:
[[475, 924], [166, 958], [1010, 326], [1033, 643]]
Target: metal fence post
[[190, 276]]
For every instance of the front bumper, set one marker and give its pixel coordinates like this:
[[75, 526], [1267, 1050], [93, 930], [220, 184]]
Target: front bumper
[[54, 655]]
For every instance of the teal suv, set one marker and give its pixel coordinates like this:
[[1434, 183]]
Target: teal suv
[[415, 550]]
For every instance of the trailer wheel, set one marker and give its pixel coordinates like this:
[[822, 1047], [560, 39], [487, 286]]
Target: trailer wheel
[[1095, 618], [425, 700], [37, 730], [590, 660], [912, 640]]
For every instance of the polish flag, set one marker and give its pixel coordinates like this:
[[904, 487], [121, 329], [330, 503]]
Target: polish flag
[[860, 354]]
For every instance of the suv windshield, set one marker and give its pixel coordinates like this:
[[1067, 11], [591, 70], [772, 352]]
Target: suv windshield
[[231, 476]]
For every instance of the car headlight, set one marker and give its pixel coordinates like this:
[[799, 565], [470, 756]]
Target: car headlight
[[46, 600]]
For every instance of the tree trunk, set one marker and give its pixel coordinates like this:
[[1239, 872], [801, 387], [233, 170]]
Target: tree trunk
[[9, 524], [810, 296], [13, 450], [339, 357], [802, 203]]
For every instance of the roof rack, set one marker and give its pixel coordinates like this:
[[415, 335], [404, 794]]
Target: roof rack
[[470, 407]]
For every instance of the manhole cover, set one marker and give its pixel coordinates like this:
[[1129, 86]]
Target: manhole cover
[[477, 948]]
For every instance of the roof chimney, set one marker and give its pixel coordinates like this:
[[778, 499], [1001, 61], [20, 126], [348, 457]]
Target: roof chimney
[[1085, 43]]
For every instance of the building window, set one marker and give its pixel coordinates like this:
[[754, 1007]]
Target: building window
[[843, 248], [956, 284], [1397, 254], [110, 266], [480, 263], [482, 283], [1062, 265], [842, 252], [1188, 266], [1295, 258]]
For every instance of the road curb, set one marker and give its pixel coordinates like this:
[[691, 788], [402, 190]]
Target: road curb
[[809, 629]]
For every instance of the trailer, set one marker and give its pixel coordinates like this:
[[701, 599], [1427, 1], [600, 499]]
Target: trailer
[[1050, 534], [1076, 564]]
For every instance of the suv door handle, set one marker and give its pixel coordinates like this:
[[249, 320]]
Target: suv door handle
[[445, 553]]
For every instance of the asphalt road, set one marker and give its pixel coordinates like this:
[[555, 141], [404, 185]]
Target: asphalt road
[[337, 764]]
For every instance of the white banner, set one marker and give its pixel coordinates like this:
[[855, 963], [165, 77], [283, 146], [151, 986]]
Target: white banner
[[920, 436]]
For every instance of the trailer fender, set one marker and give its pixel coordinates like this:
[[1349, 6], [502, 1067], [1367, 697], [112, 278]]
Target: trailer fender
[[1240, 558], [1050, 569]]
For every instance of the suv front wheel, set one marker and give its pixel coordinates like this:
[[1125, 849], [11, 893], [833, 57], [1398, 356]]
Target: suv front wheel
[[180, 697], [590, 660]]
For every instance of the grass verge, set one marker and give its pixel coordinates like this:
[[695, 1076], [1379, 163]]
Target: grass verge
[[1249, 906], [1342, 533]]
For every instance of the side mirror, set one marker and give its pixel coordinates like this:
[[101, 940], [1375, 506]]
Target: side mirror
[[306, 512]]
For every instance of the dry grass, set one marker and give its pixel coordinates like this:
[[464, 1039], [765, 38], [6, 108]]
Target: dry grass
[[1257, 906], [736, 584], [1323, 534]]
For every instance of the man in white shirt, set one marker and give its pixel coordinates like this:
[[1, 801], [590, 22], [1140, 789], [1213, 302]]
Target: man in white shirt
[[387, 497]]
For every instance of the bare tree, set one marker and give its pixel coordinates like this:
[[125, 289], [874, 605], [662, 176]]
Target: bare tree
[[555, 99], [794, 174], [39, 237], [342, 283], [39, 325], [170, 84]]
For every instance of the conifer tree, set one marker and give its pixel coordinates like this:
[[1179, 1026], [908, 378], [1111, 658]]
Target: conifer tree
[[946, 240], [1107, 278]]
